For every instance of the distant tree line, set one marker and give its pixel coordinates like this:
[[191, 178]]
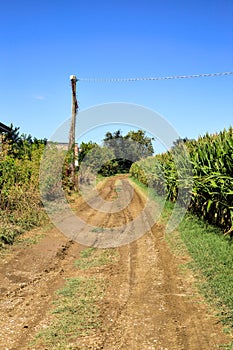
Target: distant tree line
[[117, 153]]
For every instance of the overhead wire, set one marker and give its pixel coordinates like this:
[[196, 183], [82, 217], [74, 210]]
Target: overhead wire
[[113, 80]]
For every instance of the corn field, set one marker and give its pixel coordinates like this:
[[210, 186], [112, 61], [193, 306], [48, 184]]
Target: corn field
[[211, 160]]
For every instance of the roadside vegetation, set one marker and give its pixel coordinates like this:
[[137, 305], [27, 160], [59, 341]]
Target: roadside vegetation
[[212, 265], [211, 259], [20, 205], [206, 232], [211, 160]]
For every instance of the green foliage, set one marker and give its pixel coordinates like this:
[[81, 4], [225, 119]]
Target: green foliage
[[97, 157], [211, 159], [142, 145], [116, 155], [97, 160], [84, 149], [51, 171], [21, 146], [133, 146], [124, 151], [20, 205]]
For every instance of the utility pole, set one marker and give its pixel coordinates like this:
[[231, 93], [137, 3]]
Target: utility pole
[[71, 146]]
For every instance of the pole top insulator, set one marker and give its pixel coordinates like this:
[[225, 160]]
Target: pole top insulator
[[73, 77]]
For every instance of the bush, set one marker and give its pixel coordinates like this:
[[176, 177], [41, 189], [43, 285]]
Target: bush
[[20, 204]]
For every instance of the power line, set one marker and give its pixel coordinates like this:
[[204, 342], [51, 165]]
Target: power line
[[119, 80]]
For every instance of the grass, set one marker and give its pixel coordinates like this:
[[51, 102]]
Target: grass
[[14, 223], [30, 240], [212, 255], [211, 260], [212, 263], [92, 257], [76, 312]]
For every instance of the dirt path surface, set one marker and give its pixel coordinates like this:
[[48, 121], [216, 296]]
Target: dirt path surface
[[149, 304]]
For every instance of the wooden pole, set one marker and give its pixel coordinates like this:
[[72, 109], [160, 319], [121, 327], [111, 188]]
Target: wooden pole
[[71, 146]]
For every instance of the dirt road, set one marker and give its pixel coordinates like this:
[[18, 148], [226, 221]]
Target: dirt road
[[149, 303]]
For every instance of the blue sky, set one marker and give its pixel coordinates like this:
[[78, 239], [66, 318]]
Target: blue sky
[[43, 42]]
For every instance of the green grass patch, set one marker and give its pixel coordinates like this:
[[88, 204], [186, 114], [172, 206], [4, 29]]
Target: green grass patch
[[75, 314], [76, 311], [212, 255], [92, 257]]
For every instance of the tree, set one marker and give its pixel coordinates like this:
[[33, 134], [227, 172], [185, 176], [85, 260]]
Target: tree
[[117, 154], [142, 144], [84, 149], [128, 149], [94, 160], [21, 145], [180, 141], [115, 142], [12, 136]]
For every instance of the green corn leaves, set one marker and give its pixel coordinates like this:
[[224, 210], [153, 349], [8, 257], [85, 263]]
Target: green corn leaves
[[211, 157]]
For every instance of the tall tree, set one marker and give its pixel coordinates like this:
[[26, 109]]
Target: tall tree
[[142, 143], [128, 149]]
